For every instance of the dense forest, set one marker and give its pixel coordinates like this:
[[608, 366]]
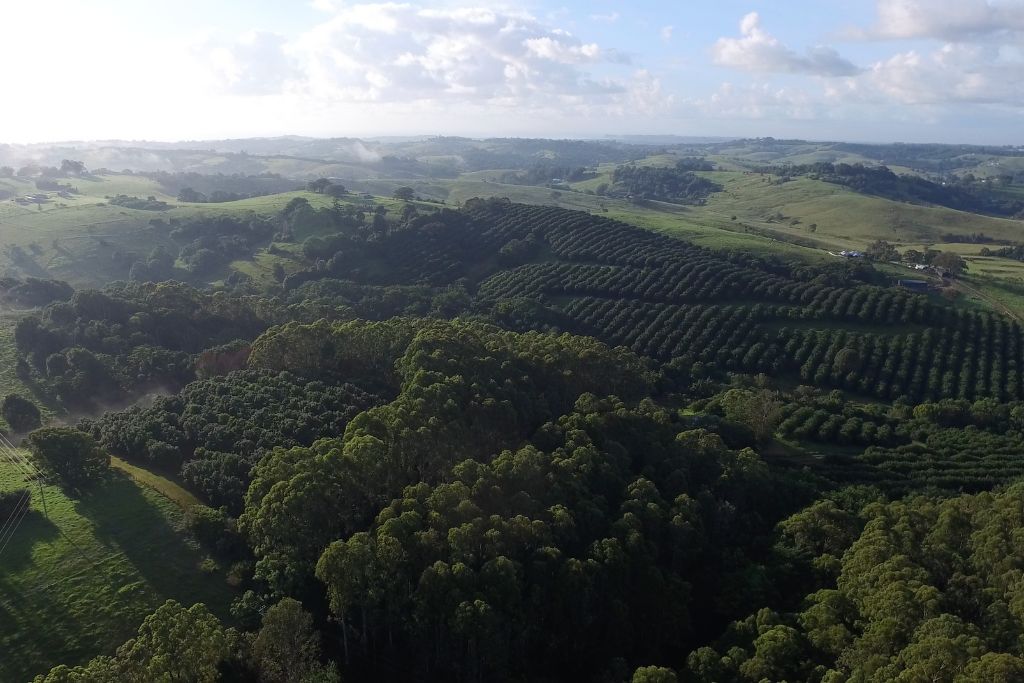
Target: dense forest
[[679, 184], [512, 442]]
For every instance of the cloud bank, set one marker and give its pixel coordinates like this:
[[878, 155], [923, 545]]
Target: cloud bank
[[401, 53], [950, 20], [758, 50]]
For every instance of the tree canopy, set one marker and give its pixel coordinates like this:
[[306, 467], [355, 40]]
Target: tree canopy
[[69, 455], [20, 413]]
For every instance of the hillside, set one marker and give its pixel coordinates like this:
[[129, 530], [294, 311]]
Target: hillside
[[80, 574], [530, 421]]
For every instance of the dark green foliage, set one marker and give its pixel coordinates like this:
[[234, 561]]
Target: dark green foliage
[[405, 193], [1016, 252], [678, 184], [882, 251], [13, 503], [220, 478], [342, 299], [664, 298], [216, 429], [287, 648], [929, 590], [654, 674], [953, 444], [467, 390], [554, 560], [20, 413], [215, 530], [216, 241], [33, 291], [494, 518], [148, 204], [70, 456], [319, 185], [173, 644], [130, 337]]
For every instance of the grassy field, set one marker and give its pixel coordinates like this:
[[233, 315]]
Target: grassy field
[[88, 242], [843, 218], [78, 577], [170, 490], [685, 222]]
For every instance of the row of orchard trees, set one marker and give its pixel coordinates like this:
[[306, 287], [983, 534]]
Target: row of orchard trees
[[974, 355], [977, 356]]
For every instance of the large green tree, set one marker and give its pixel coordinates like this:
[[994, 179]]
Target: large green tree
[[20, 413], [287, 647], [174, 645], [318, 185], [69, 455], [404, 193]]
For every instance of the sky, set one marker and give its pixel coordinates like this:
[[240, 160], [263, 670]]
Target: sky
[[861, 70]]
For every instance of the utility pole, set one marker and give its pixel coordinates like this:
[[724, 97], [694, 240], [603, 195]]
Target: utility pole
[[42, 497]]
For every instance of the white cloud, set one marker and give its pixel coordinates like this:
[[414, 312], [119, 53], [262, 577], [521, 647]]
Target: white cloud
[[952, 74], [952, 20], [758, 50], [558, 51], [254, 64], [389, 53], [324, 5], [666, 33], [645, 95], [980, 62], [907, 88], [609, 18]]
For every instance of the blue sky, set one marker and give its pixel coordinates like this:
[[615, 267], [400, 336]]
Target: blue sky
[[875, 70]]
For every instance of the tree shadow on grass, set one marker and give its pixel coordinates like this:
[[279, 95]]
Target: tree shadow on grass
[[127, 520], [34, 528], [19, 593]]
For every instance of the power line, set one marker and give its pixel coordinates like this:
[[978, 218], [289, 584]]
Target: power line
[[23, 505], [14, 511], [16, 454], [25, 468], [21, 518], [29, 468]]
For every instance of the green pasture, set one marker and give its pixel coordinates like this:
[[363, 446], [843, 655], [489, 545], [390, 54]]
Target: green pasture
[[80, 574]]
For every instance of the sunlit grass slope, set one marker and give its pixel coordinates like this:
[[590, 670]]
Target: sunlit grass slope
[[77, 578]]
